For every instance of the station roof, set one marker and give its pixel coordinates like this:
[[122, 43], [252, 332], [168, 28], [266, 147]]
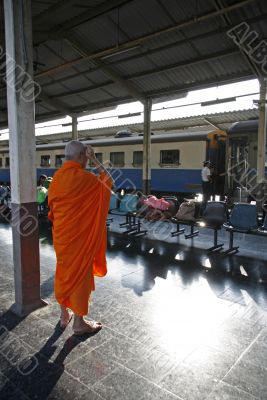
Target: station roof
[[90, 55], [221, 121]]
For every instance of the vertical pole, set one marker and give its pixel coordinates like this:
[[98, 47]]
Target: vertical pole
[[147, 148], [261, 143], [74, 128], [20, 98], [262, 132]]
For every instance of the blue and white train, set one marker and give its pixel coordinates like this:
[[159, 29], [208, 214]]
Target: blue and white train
[[176, 158]]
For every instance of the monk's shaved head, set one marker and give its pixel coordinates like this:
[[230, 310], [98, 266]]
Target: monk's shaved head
[[74, 149]]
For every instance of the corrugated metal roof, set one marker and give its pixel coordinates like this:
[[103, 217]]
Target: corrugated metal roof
[[205, 122], [157, 47]]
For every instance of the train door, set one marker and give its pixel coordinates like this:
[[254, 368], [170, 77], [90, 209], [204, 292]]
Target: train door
[[242, 156], [238, 163], [216, 154]]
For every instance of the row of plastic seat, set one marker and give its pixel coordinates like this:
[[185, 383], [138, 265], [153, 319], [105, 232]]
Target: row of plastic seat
[[243, 218]]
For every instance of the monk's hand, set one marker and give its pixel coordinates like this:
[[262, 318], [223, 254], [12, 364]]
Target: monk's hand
[[90, 154]]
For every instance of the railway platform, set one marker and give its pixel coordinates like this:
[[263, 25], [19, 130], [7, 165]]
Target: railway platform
[[178, 324]]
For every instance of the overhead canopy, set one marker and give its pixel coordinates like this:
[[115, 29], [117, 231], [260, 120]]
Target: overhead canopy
[[221, 121], [89, 55]]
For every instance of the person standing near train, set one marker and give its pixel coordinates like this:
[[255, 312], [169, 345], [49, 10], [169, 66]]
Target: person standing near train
[[206, 177]]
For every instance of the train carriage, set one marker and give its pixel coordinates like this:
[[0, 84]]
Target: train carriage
[[176, 159]]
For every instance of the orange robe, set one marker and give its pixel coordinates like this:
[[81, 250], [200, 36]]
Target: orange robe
[[78, 202]]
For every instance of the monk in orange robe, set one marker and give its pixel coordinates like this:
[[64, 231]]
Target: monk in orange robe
[[78, 201]]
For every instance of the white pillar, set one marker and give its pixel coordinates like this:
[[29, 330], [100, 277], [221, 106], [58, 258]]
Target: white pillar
[[20, 97], [147, 148], [74, 128]]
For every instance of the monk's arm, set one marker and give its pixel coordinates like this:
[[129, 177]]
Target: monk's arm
[[105, 176], [101, 169]]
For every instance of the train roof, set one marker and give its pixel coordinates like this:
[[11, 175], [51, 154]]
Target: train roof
[[244, 127], [159, 138]]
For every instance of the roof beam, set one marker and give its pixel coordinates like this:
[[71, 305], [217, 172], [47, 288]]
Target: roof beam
[[148, 52], [183, 64], [84, 90], [59, 6], [188, 63], [81, 49], [61, 30], [57, 104], [140, 40], [227, 19], [173, 90], [209, 121], [233, 78], [83, 74], [189, 42]]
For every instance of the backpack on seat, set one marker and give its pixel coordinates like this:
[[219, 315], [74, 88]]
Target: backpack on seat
[[244, 216], [186, 211], [215, 213]]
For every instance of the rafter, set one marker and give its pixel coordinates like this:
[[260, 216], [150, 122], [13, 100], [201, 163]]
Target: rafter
[[61, 30], [140, 40], [57, 104], [59, 6], [81, 49], [194, 38], [184, 64], [233, 78], [154, 71], [227, 19]]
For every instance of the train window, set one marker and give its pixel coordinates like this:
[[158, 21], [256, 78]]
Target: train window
[[169, 157], [99, 157], [7, 162], [59, 160], [137, 158], [45, 161], [117, 159], [1, 162]]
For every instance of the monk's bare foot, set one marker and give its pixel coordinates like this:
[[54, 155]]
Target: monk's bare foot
[[65, 317], [80, 326]]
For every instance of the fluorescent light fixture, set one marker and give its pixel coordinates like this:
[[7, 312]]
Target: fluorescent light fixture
[[259, 101], [217, 101], [67, 124], [129, 115], [122, 51]]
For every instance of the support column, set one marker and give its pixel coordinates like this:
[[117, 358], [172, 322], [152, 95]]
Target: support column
[[74, 128], [261, 142], [147, 148], [262, 132], [20, 97]]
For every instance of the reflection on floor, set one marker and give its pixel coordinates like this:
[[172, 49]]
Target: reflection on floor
[[178, 324]]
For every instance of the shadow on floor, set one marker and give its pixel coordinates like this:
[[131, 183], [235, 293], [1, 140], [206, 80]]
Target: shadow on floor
[[188, 263], [32, 373]]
